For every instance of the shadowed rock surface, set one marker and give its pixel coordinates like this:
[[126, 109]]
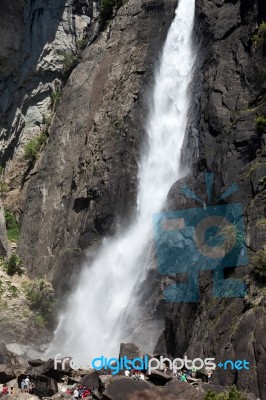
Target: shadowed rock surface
[[226, 141], [86, 179]]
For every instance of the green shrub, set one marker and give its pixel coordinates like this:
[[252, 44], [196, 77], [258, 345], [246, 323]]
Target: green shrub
[[258, 263], [33, 147], [12, 227], [70, 61], [56, 97], [260, 36], [107, 8], [81, 43], [40, 321], [233, 394], [13, 265], [260, 124], [14, 290], [40, 295], [46, 120], [1, 288], [3, 187]]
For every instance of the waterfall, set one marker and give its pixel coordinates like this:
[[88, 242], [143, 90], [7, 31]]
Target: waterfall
[[93, 323]]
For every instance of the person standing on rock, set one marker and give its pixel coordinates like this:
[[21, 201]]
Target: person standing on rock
[[193, 372], [183, 377], [174, 370], [209, 375], [75, 394], [27, 384], [5, 390], [141, 376]]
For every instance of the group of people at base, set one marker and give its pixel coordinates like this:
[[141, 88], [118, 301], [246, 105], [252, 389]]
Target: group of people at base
[[81, 392], [183, 375], [135, 374], [27, 386]]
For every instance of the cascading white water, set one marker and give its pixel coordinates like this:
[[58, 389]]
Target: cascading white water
[[93, 323]]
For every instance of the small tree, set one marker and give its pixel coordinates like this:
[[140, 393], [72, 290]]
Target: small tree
[[40, 295], [260, 124], [33, 147], [70, 61], [12, 227], [107, 8], [260, 36], [13, 265]]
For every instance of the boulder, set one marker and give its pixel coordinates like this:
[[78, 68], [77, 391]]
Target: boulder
[[214, 388], [183, 390], [45, 368], [44, 385], [8, 363], [130, 350], [59, 396], [118, 388], [96, 395], [6, 373], [90, 380], [7, 357], [150, 395], [36, 362], [159, 378]]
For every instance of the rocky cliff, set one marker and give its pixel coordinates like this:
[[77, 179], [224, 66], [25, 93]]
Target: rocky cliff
[[230, 100], [86, 177], [77, 92]]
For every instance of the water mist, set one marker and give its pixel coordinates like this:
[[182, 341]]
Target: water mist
[[93, 323]]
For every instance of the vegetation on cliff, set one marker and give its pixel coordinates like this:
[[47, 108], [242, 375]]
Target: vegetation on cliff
[[12, 226], [233, 394]]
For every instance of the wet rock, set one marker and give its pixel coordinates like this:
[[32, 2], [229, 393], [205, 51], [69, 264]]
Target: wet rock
[[118, 388], [130, 350]]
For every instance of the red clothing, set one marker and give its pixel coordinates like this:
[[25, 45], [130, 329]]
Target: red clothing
[[5, 390], [86, 393]]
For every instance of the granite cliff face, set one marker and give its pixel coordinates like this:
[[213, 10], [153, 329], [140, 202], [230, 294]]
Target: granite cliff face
[[86, 177], [230, 95], [84, 181], [38, 38]]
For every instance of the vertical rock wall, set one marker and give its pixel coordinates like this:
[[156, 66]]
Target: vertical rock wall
[[229, 92]]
